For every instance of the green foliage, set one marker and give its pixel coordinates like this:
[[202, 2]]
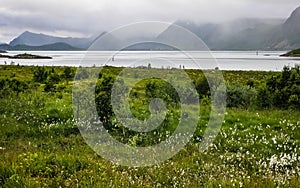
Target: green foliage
[[68, 73], [10, 87], [103, 98], [40, 75], [293, 53], [157, 88], [202, 86], [294, 102], [284, 89], [41, 146], [240, 96], [263, 99], [52, 80]]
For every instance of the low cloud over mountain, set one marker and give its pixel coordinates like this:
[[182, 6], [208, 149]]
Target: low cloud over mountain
[[241, 34]]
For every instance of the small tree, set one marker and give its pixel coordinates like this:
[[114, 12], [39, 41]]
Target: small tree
[[52, 79], [294, 102], [68, 73], [202, 87], [40, 75], [103, 99], [263, 98], [240, 96]]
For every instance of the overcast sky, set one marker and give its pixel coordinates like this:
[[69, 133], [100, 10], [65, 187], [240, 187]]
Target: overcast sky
[[90, 17]]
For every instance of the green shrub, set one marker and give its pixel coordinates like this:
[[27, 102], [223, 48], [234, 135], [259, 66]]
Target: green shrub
[[202, 87], [263, 99], [240, 96], [40, 74], [294, 102]]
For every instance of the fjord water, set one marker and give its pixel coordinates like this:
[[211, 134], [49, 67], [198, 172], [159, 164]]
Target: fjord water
[[226, 60]]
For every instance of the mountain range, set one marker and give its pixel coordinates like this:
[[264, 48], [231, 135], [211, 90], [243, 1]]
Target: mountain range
[[241, 34]]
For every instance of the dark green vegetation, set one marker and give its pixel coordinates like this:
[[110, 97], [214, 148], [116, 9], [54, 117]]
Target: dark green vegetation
[[40, 145], [25, 56], [293, 53]]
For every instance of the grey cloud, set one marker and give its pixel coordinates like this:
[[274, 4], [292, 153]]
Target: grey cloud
[[88, 17]]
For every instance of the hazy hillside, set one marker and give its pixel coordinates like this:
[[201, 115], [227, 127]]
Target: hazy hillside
[[241, 34], [287, 35], [249, 34], [33, 39]]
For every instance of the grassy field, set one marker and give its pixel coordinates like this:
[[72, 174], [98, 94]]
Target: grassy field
[[41, 146]]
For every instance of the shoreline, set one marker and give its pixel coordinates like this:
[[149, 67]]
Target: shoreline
[[120, 67]]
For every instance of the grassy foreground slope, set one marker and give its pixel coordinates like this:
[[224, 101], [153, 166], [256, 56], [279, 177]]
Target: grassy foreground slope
[[40, 144]]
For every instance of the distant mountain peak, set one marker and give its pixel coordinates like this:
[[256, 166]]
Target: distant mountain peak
[[247, 33], [292, 26], [26, 32], [295, 16], [33, 39], [296, 11]]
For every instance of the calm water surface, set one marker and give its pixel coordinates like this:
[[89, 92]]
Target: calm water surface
[[224, 60]]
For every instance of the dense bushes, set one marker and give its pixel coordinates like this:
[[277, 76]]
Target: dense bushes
[[40, 74], [140, 98], [240, 96], [52, 80], [24, 100], [281, 91], [277, 91], [103, 98], [8, 86], [157, 88], [51, 77], [284, 90]]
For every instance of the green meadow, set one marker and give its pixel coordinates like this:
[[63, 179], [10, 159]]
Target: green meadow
[[41, 146]]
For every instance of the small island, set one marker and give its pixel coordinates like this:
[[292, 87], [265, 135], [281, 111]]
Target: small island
[[2, 51], [293, 53], [25, 56]]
